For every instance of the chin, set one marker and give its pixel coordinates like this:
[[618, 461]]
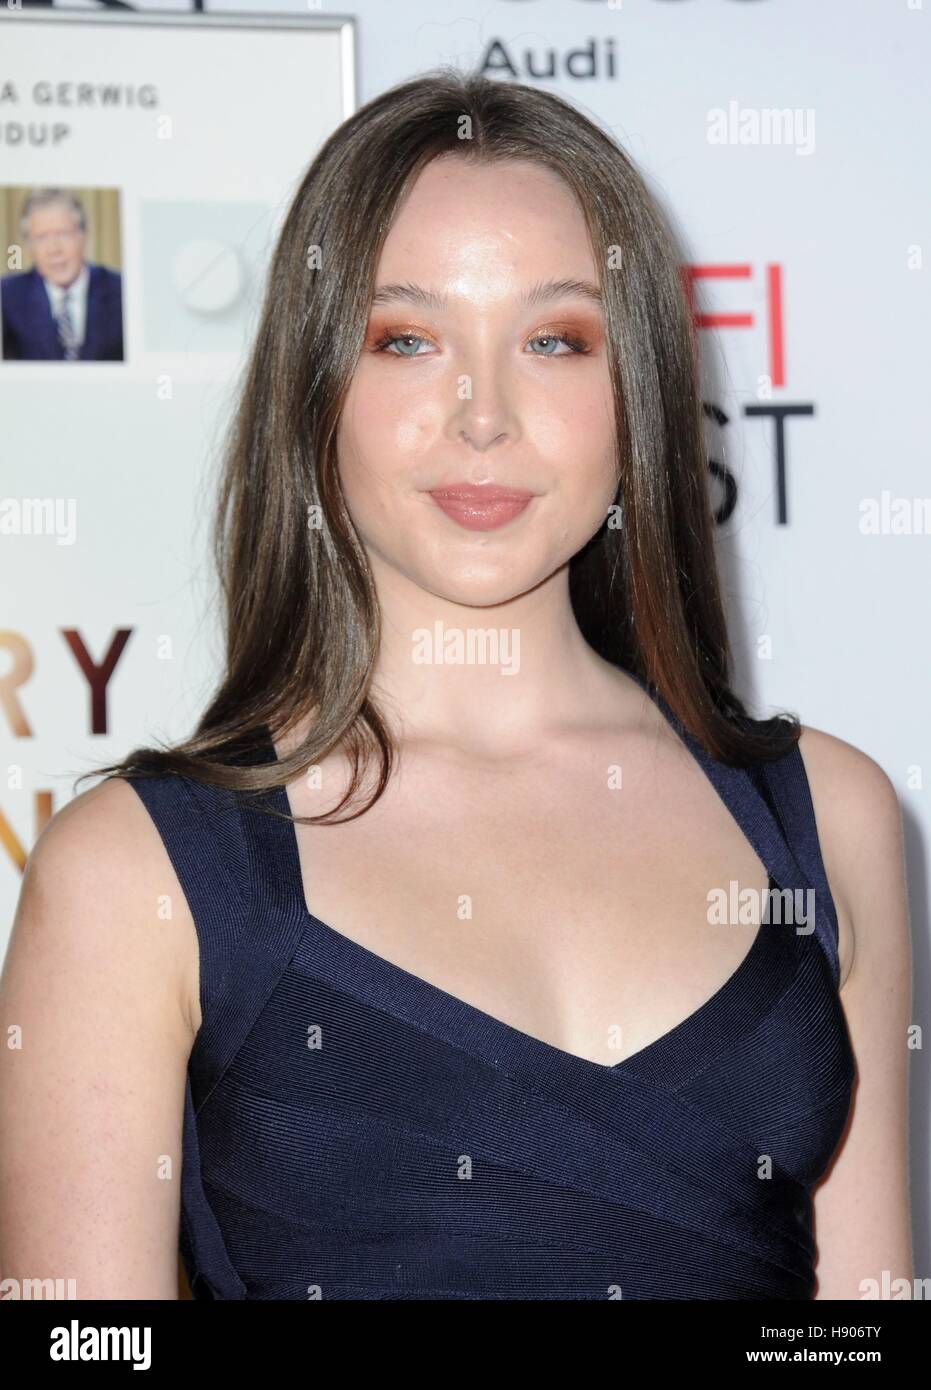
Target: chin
[[473, 588]]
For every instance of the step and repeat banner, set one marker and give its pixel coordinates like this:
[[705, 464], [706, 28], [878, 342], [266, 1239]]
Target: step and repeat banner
[[146, 162], [147, 156]]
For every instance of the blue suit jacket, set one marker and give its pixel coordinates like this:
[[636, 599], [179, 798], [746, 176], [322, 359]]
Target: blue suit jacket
[[29, 330]]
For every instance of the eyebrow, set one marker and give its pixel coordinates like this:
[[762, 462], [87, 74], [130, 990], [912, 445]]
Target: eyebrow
[[542, 293]]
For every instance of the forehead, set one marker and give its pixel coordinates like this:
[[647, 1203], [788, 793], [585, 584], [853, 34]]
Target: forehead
[[476, 226]]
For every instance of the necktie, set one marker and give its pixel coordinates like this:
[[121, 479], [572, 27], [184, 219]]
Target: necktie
[[66, 330]]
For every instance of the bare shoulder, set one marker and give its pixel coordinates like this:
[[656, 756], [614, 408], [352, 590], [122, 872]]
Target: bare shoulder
[[86, 828], [860, 831], [101, 858], [862, 1202], [92, 1082]]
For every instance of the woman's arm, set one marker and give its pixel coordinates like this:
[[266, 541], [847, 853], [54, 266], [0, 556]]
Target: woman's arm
[[95, 1025], [862, 1204]]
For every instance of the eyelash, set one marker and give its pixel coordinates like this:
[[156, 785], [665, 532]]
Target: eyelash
[[578, 347]]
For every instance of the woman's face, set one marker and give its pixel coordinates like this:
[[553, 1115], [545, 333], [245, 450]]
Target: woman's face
[[481, 384]]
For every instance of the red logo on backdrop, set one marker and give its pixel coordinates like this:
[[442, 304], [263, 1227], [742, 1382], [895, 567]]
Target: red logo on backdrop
[[778, 412]]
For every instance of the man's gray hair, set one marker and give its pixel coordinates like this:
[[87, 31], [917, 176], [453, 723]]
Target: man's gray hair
[[44, 197]]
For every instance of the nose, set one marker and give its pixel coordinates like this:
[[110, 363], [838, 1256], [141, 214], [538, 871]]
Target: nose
[[481, 439], [485, 414]]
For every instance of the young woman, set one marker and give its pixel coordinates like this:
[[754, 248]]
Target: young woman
[[504, 1011]]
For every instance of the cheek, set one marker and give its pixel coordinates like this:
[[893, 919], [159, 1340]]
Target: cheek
[[575, 430], [384, 425]]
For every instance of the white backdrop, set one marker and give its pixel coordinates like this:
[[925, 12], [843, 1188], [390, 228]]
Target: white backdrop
[[810, 236]]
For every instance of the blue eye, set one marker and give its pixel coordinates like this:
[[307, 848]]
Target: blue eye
[[573, 344], [407, 338], [408, 344]]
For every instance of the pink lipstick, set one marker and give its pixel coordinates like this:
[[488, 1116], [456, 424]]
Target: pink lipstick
[[481, 506]]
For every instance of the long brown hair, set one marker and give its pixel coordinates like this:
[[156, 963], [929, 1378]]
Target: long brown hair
[[300, 612]]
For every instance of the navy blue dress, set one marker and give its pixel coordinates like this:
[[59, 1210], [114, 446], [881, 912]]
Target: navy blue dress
[[427, 1150]]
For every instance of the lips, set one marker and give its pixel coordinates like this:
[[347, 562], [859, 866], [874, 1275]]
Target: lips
[[481, 506]]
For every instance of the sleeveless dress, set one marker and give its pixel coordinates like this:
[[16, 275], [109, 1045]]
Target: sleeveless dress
[[352, 1131]]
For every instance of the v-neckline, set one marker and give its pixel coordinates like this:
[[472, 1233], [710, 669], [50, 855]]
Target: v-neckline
[[739, 1003]]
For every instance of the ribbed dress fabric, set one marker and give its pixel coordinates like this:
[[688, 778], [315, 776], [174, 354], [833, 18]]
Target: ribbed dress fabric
[[354, 1132]]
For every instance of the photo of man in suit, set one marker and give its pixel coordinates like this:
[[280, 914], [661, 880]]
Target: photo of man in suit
[[66, 308]]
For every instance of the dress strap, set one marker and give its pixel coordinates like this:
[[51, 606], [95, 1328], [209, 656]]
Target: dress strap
[[786, 781], [200, 830], [274, 923], [742, 796], [771, 802]]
